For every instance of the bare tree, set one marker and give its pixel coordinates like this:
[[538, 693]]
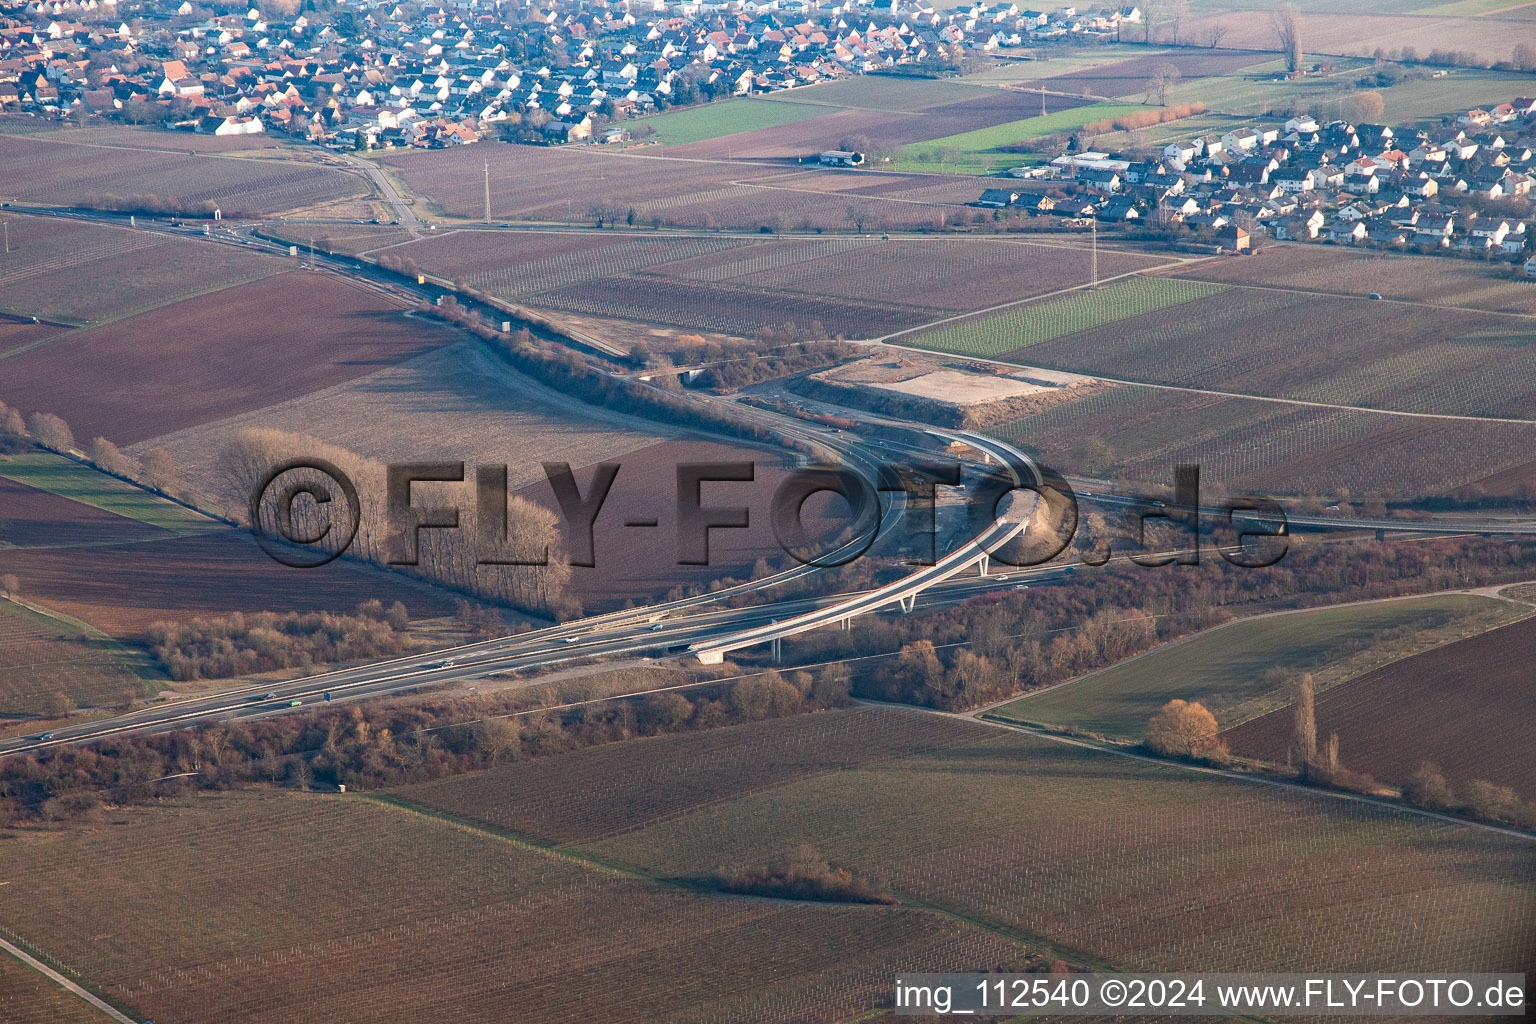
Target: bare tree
[[1164, 77], [50, 431], [1286, 23], [1365, 107], [1151, 10], [1217, 33], [58, 704], [12, 426], [10, 586], [1494, 803], [107, 457], [1178, 10], [451, 558], [1304, 732], [160, 470]]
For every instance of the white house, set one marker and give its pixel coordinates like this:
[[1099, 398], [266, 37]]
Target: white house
[[1346, 232], [1239, 139], [1183, 152]]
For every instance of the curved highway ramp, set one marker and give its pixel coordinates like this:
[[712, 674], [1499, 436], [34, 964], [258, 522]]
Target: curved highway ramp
[[978, 552]]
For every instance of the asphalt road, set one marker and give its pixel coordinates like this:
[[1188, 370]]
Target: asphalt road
[[663, 630], [657, 633], [392, 196]]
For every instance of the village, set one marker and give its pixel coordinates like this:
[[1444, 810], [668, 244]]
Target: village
[[366, 75], [1462, 188]]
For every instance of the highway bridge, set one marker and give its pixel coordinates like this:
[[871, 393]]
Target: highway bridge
[[667, 629], [659, 631], [904, 592]]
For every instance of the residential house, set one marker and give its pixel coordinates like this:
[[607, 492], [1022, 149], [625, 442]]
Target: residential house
[[1346, 232], [1230, 236], [997, 198]]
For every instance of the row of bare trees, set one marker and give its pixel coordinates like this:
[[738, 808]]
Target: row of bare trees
[[1188, 730], [1427, 787], [475, 558], [240, 644], [1284, 22], [156, 469], [989, 650], [380, 744]]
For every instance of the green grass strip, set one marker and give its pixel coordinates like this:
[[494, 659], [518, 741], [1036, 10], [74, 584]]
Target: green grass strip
[[69, 479], [972, 152], [1033, 322], [1244, 669], [730, 117]]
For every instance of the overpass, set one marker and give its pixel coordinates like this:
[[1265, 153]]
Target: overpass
[[975, 552]]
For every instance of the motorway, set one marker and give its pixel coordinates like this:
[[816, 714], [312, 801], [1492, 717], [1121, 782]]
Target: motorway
[[905, 591], [662, 630], [654, 633]]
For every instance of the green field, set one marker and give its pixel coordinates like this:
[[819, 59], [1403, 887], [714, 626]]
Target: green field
[[1159, 135], [891, 93], [1249, 93], [980, 152], [1465, 8], [69, 479], [1245, 669], [713, 120], [1317, 6], [1427, 98], [1092, 57], [1034, 322]]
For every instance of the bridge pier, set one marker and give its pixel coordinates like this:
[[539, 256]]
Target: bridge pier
[[908, 602], [984, 566], [778, 649]]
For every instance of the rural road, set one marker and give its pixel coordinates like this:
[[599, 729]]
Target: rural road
[[56, 977], [392, 196]]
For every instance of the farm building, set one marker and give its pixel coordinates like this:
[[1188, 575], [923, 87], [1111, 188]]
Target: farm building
[[1230, 236], [841, 158]]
